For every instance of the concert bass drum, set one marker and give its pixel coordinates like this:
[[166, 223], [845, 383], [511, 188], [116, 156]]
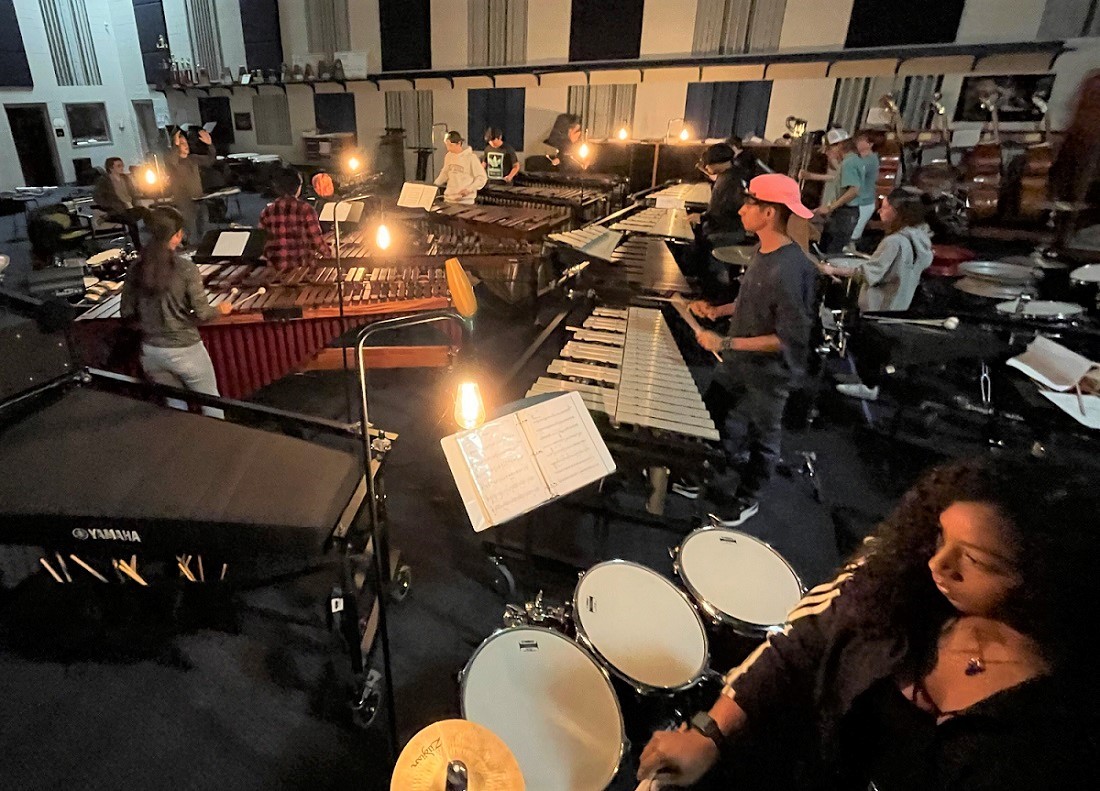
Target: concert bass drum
[[553, 705]]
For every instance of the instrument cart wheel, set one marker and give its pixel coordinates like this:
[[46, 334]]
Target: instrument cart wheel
[[367, 701], [401, 582]]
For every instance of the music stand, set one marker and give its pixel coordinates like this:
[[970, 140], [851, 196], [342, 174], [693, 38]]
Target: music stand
[[231, 244]]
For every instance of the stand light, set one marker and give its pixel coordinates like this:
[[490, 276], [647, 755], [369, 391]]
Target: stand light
[[469, 413]]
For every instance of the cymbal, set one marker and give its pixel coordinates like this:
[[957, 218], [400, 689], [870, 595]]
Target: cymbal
[[490, 765]]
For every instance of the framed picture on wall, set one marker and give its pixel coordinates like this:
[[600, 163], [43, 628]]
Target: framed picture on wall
[[1016, 96], [242, 122]]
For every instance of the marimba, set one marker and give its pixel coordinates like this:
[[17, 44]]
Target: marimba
[[528, 224], [583, 205], [289, 321]]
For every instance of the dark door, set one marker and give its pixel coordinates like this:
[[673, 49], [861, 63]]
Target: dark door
[[33, 136], [216, 108]]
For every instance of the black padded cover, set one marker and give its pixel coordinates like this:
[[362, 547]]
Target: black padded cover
[[93, 469]]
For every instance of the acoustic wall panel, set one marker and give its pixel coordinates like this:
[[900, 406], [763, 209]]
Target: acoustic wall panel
[[406, 27], [605, 29]]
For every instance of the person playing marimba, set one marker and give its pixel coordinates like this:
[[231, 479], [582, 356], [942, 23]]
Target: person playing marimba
[[462, 173], [501, 162], [293, 231]]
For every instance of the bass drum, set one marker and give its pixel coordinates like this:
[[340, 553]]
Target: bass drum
[[552, 703]]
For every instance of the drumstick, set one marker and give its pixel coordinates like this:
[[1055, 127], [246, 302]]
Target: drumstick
[[88, 568], [681, 306], [49, 568], [1080, 401], [126, 569], [64, 568]]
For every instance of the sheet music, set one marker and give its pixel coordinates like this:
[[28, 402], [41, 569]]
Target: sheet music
[[341, 211], [1052, 364], [567, 445], [503, 468], [230, 244], [417, 196], [1069, 404], [516, 463]]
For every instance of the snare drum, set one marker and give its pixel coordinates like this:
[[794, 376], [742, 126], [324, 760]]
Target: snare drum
[[738, 580], [1042, 310], [552, 704], [643, 628], [1085, 287]]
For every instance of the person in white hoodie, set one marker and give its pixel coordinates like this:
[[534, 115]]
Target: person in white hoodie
[[462, 171], [891, 275]]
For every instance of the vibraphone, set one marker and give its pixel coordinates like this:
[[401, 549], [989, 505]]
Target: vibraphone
[[614, 189], [651, 221], [626, 366], [583, 205], [694, 194], [287, 321]]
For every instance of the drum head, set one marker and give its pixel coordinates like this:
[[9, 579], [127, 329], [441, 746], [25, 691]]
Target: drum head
[[846, 261], [641, 624], [551, 703], [1043, 309], [991, 290], [997, 272], [740, 577], [1090, 273], [106, 256]]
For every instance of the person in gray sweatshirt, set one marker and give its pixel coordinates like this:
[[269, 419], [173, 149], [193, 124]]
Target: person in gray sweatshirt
[[462, 173], [891, 275]]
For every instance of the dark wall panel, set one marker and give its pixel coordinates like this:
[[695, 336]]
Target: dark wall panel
[[15, 72], [406, 27], [502, 107], [605, 29], [149, 15], [263, 39], [719, 109], [876, 23], [335, 112]]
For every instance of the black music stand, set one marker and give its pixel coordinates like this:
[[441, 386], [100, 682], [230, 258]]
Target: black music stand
[[253, 247]]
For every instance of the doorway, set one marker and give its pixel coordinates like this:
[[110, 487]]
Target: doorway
[[152, 141], [33, 136], [217, 108]]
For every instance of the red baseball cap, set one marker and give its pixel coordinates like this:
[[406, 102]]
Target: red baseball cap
[[777, 188]]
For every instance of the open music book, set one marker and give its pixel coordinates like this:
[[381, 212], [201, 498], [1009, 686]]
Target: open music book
[[1055, 366], [341, 211], [515, 463], [414, 195]]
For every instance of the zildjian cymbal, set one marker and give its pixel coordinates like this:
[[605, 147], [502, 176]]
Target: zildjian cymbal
[[489, 764]]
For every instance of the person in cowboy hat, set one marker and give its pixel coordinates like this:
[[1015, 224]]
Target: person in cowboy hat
[[764, 351]]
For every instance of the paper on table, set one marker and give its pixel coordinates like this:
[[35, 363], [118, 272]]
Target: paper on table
[[230, 244], [1052, 364], [1068, 403], [567, 445], [669, 202], [414, 196]]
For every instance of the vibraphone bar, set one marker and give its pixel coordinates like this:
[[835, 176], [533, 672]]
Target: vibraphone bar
[[626, 364], [692, 194], [289, 321], [666, 223]]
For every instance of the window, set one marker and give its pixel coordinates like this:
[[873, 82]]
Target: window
[[88, 124], [499, 107], [335, 112], [411, 111], [206, 42], [70, 40], [603, 109], [725, 27], [327, 26], [272, 120], [497, 32], [854, 97], [721, 109]]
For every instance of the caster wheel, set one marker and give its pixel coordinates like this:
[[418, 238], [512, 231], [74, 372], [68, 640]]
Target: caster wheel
[[402, 581]]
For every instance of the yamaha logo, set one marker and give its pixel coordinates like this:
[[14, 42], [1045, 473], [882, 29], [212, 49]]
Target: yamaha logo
[[106, 534]]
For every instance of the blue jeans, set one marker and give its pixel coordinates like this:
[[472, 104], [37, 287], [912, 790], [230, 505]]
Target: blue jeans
[[186, 367]]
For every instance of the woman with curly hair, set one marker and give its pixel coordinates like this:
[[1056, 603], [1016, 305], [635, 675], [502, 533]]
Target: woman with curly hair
[[949, 654]]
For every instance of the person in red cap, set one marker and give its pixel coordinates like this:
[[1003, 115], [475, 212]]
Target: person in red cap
[[765, 350]]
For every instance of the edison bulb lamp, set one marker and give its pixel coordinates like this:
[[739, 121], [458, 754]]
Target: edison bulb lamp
[[469, 408], [684, 133], [623, 133], [583, 151], [150, 176], [382, 237]]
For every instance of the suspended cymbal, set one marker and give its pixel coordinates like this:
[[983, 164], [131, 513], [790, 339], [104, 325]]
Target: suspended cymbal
[[490, 765]]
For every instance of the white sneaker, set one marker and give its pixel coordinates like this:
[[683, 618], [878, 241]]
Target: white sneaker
[[858, 390]]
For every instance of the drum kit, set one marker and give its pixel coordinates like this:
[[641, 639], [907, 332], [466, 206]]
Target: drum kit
[[569, 688], [1033, 287], [104, 272]]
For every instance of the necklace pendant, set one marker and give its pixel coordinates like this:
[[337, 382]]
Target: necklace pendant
[[974, 666]]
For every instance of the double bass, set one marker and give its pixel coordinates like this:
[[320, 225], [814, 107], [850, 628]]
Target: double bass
[[982, 167], [938, 177], [1035, 174]]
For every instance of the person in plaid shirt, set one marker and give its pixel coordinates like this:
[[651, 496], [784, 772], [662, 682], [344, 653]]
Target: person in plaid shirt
[[293, 231]]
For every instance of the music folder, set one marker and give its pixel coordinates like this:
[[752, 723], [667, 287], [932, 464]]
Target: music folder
[[236, 244], [417, 196], [515, 463]]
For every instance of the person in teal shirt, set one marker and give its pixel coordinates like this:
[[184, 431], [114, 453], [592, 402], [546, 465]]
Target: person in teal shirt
[[841, 213], [868, 191]]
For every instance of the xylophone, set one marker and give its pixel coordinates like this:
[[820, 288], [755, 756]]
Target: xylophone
[[626, 366], [528, 224], [288, 321], [584, 205]]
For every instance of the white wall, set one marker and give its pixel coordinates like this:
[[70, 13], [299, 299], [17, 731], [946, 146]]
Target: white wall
[[655, 104], [543, 104], [808, 99], [815, 24], [668, 27], [548, 30], [1000, 20], [450, 34]]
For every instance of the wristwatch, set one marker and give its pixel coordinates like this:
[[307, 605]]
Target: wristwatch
[[706, 725]]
